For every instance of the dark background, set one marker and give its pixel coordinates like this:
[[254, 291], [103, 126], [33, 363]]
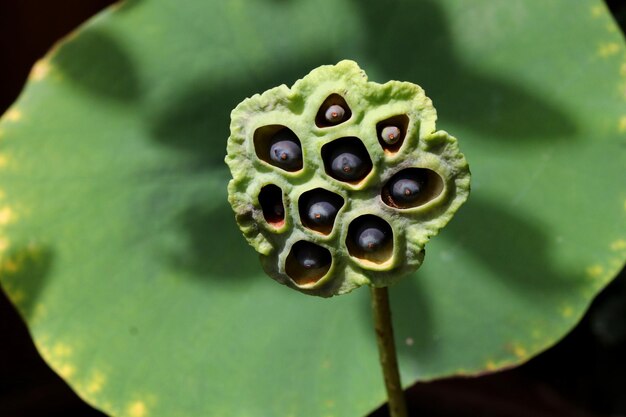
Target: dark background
[[583, 375]]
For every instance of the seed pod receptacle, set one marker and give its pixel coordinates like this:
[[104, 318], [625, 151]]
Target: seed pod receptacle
[[410, 182]]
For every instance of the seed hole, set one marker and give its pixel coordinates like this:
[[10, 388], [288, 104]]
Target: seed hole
[[391, 132], [318, 209], [346, 159], [279, 146], [307, 262], [333, 111], [271, 201], [370, 238], [412, 187]]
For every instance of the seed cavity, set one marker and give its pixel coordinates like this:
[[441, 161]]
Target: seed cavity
[[391, 132], [346, 159], [318, 209], [278, 146], [307, 263], [412, 187], [370, 238], [333, 111], [271, 202]]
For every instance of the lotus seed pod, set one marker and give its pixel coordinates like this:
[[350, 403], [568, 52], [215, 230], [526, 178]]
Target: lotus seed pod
[[340, 182]]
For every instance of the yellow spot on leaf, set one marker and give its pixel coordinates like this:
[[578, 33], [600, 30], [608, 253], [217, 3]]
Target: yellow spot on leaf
[[622, 70], [13, 115], [3, 161], [519, 351], [619, 244], [608, 49], [6, 216], [596, 11], [18, 296], [622, 124], [95, 384], [62, 350], [66, 370], [43, 349], [137, 409], [40, 70], [610, 27], [491, 366], [595, 271], [567, 311], [9, 266], [4, 244]]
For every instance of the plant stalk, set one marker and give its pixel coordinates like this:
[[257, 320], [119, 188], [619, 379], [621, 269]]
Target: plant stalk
[[387, 352]]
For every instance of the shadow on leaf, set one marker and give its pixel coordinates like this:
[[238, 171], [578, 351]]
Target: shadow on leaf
[[413, 326], [197, 124], [411, 41], [24, 273], [515, 248], [216, 248], [104, 69]]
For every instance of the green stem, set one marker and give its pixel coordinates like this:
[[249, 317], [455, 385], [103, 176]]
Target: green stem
[[387, 351]]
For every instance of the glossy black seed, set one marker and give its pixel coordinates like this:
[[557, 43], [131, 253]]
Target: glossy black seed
[[318, 209], [370, 238], [390, 135], [285, 150], [334, 114], [406, 189], [322, 213], [372, 235], [311, 256], [348, 164]]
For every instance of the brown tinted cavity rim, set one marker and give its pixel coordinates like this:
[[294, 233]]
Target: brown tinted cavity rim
[[432, 186], [400, 121], [297, 268], [318, 195], [271, 202], [353, 144], [382, 253], [262, 140], [333, 99]]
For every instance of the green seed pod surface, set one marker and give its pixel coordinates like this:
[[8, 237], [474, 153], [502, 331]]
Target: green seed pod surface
[[431, 157]]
